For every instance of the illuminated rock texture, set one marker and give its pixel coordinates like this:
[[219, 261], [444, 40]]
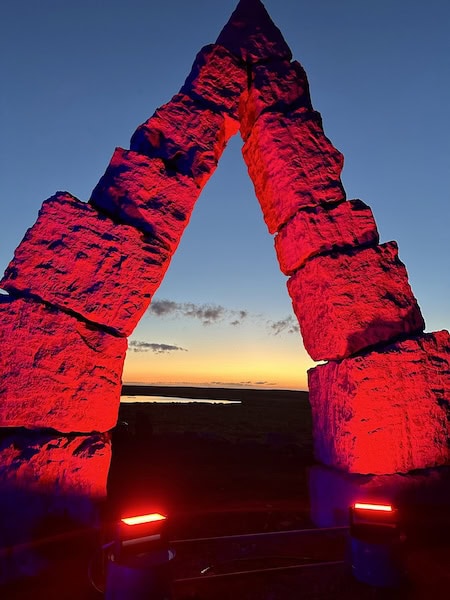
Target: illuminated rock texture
[[216, 80], [278, 86], [189, 138], [292, 165], [56, 466], [347, 302], [76, 259], [385, 411], [142, 192], [251, 35], [56, 371], [318, 230], [51, 487]]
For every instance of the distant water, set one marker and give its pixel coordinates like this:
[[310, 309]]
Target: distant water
[[174, 400]]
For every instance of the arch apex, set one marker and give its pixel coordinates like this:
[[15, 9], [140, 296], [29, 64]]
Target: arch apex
[[251, 34]]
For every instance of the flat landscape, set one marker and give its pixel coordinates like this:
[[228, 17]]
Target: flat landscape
[[237, 467]]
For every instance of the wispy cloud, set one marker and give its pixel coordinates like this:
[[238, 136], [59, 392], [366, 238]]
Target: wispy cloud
[[244, 384], [207, 314], [139, 346], [220, 384], [287, 325]]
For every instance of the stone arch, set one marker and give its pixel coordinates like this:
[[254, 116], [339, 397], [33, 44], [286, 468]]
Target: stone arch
[[70, 309]]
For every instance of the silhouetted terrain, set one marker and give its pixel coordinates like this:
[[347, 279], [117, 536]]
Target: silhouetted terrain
[[214, 393], [243, 467]]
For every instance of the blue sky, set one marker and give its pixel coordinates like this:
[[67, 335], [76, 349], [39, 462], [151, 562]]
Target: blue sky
[[79, 76]]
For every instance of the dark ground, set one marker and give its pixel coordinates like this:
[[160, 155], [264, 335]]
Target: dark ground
[[247, 462], [219, 470]]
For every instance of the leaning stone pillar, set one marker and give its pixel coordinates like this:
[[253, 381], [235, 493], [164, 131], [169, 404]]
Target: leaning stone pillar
[[85, 273], [380, 403]]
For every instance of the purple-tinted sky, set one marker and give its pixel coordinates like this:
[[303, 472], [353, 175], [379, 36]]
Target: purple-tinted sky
[[78, 76]]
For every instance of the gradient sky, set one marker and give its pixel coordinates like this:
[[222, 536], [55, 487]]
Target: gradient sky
[[78, 77]]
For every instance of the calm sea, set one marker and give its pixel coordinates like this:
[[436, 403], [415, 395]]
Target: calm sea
[[174, 400]]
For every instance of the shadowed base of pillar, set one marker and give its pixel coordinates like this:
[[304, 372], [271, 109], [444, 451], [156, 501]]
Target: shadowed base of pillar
[[52, 491], [421, 496]]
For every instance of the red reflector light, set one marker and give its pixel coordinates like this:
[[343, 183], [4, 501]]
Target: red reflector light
[[150, 518], [379, 507]]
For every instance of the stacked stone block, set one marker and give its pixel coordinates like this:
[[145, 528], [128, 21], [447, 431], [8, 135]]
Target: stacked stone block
[[190, 132], [351, 295], [56, 370], [292, 165], [384, 410], [76, 259], [278, 85], [320, 229], [143, 193], [347, 301], [251, 35]]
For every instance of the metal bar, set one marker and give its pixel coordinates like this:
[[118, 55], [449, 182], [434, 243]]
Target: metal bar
[[333, 563], [247, 536]]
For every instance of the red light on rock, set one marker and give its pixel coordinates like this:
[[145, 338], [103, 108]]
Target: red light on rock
[[376, 507], [140, 519]]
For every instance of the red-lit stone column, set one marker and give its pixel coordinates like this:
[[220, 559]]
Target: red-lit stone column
[[85, 273], [78, 284], [381, 404]]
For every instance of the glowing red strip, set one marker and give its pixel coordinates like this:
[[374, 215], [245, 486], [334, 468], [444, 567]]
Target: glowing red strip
[[151, 518], [381, 507]]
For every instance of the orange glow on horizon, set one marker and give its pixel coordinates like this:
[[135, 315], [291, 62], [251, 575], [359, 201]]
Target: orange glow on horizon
[[247, 358], [288, 375], [368, 506], [138, 520]]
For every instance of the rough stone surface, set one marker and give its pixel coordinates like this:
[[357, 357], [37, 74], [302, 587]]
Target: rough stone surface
[[140, 191], [56, 466], [292, 164], [217, 79], [251, 35], [55, 371], [321, 229], [385, 411], [347, 302], [279, 86], [51, 486], [79, 260], [189, 138]]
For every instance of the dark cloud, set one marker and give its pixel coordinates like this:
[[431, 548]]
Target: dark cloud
[[162, 308], [287, 325], [138, 346], [206, 313]]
